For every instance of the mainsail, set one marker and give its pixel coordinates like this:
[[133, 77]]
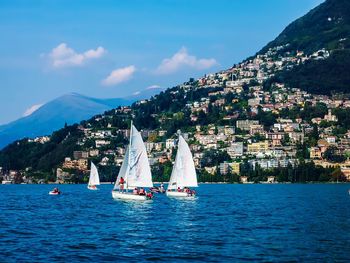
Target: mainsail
[[135, 168], [94, 177], [123, 170], [184, 172]]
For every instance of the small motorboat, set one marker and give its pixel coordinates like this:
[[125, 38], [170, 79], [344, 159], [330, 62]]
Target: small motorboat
[[55, 191]]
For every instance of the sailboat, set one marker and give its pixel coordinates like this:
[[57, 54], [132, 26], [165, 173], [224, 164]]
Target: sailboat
[[135, 170], [183, 174], [94, 178]]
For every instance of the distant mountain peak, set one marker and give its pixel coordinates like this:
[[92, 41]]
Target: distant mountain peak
[[43, 119]]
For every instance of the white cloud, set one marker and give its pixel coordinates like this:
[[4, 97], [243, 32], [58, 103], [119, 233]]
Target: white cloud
[[120, 75], [136, 93], [64, 56], [32, 109], [153, 87], [181, 59]]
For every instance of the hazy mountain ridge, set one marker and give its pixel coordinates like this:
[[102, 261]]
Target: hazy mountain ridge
[[70, 108]]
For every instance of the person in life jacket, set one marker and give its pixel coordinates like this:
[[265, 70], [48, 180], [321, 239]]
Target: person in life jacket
[[149, 195], [142, 191], [56, 190], [162, 190], [121, 184], [135, 191]]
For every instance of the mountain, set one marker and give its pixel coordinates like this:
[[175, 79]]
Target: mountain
[[70, 108], [326, 27], [325, 77], [213, 99]]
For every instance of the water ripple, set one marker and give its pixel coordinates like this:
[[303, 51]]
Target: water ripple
[[225, 223]]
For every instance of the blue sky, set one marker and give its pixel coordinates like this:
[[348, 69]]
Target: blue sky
[[116, 48]]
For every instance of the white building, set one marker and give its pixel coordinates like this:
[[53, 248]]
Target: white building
[[170, 143]]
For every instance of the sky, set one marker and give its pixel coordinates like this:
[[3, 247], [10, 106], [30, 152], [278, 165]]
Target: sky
[[114, 48]]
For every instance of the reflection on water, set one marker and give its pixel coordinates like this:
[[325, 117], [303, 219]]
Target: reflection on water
[[223, 223]]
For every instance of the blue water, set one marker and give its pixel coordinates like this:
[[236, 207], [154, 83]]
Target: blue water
[[224, 223]]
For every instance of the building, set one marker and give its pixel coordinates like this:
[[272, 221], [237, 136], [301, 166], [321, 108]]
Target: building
[[210, 170], [330, 117], [61, 176], [149, 146], [42, 139], [315, 153], [227, 167], [245, 124], [229, 130], [235, 168], [244, 179], [254, 102], [235, 150], [170, 143], [275, 137], [81, 164], [271, 179], [346, 172], [256, 129], [296, 137], [100, 143], [104, 161], [94, 152], [224, 168], [80, 155], [258, 147]]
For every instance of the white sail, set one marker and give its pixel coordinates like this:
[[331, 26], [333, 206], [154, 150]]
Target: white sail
[[139, 171], [94, 177], [123, 169], [184, 172]]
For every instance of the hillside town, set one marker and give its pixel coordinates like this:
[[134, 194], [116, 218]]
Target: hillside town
[[253, 126]]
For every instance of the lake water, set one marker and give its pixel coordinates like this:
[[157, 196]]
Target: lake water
[[224, 223]]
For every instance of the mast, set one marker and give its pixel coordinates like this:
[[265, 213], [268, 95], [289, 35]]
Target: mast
[[126, 180]]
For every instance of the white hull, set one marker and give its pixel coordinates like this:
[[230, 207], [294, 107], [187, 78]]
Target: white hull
[[54, 193], [128, 196], [93, 188], [179, 194]]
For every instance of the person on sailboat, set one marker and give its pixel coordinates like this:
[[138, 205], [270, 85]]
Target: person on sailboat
[[135, 191], [142, 191], [162, 190], [121, 184]]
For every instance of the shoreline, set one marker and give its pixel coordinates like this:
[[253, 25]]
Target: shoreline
[[200, 183]]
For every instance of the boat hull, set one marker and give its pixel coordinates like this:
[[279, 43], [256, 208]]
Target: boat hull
[[54, 193], [92, 188], [128, 196], [179, 194]]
